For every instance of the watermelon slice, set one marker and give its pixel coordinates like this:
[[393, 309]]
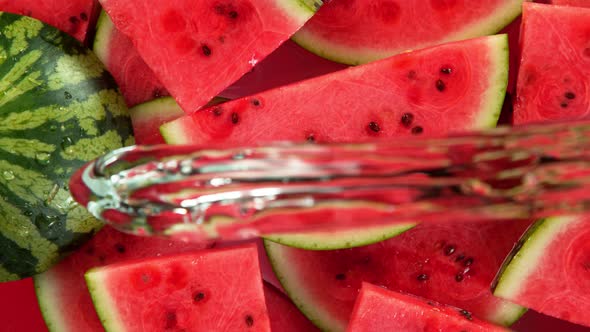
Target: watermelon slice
[[284, 316], [444, 263], [452, 87], [215, 290], [553, 85], [576, 3], [136, 80], [71, 16], [198, 48], [63, 286], [548, 271], [360, 31], [378, 309]]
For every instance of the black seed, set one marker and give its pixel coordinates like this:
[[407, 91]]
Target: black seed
[[449, 250], [206, 50], [466, 314], [446, 70], [468, 262], [67, 95], [459, 277], [171, 320], [235, 118], [310, 138], [233, 14], [255, 102], [83, 16], [431, 303], [340, 276], [460, 258], [422, 277], [407, 119], [90, 250], [440, 85], [417, 130], [74, 20], [198, 297], [412, 74], [373, 126], [217, 111], [564, 105], [570, 95], [249, 320], [120, 248]]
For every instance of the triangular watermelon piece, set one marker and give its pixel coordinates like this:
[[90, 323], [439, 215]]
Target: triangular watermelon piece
[[452, 87], [214, 290], [284, 315], [554, 70], [198, 48], [378, 309]]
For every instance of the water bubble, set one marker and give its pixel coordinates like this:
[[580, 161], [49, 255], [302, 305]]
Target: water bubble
[[8, 175], [43, 158]]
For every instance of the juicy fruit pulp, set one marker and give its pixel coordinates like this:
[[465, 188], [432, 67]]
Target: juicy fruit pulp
[[70, 16], [360, 31], [198, 48], [374, 307], [553, 86], [451, 87], [284, 316], [441, 262], [136, 80], [548, 271], [215, 290], [63, 285], [59, 109]]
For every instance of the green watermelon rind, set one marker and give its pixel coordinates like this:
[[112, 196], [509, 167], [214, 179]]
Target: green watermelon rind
[[104, 29], [334, 240], [95, 280], [46, 295], [160, 107], [525, 256], [349, 55]]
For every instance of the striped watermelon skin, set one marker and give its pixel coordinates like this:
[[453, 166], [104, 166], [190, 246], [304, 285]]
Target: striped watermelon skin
[[59, 108]]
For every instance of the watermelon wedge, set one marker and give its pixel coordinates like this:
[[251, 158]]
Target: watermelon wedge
[[136, 80], [198, 48], [360, 31], [548, 270], [215, 290], [73, 17], [378, 309], [63, 286], [284, 315], [444, 263], [553, 85], [451, 87]]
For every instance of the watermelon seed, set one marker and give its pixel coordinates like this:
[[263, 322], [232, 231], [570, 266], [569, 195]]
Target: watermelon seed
[[431, 303], [440, 85], [198, 297], [217, 111], [459, 277], [120, 248], [206, 50], [446, 70], [449, 250], [235, 118], [570, 95], [102, 259], [412, 74], [417, 130], [90, 250], [340, 276], [74, 20], [233, 14], [171, 320], [256, 102], [249, 320], [83, 16], [67, 95], [374, 127], [460, 258], [468, 262], [422, 277], [407, 119], [564, 104], [310, 138], [466, 314]]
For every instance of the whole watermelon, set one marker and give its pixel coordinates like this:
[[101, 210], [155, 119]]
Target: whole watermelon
[[59, 109]]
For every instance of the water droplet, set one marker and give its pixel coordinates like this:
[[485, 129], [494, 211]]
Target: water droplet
[[8, 175], [43, 158]]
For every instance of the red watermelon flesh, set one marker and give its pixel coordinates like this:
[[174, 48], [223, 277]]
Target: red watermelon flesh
[[378, 309], [452, 87], [446, 263], [198, 48], [212, 290], [553, 82], [549, 271], [284, 315], [360, 31], [136, 80], [63, 286], [71, 16], [576, 3]]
